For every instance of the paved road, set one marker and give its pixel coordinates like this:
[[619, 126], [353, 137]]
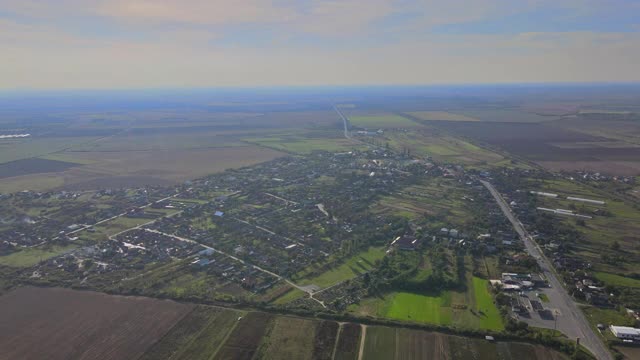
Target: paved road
[[571, 321], [344, 121]]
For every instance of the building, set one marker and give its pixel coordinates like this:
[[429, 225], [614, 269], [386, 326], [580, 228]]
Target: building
[[626, 332], [406, 242]]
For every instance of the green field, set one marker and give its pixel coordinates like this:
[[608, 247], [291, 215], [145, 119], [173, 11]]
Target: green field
[[382, 121], [489, 315], [289, 296], [31, 256], [420, 308], [471, 309], [350, 268], [617, 280]]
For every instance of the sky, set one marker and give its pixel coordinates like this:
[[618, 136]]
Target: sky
[[129, 44]]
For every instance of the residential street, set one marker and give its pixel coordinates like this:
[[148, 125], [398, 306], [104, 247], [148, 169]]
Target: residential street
[[570, 319]]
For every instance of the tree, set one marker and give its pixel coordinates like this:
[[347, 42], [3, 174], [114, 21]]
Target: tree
[[615, 246]]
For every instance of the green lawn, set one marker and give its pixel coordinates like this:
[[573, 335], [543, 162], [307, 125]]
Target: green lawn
[[289, 296], [419, 308], [352, 267], [617, 280], [489, 315]]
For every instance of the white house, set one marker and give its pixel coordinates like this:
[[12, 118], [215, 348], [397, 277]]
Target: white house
[[626, 332]]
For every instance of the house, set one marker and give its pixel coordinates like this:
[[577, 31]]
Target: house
[[218, 213], [406, 242], [626, 332]]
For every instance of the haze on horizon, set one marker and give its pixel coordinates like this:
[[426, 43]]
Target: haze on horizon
[[68, 44]]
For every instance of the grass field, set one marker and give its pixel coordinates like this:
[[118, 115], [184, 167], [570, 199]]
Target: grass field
[[473, 308], [617, 280], [420, 308], [31, 256], [352, 267], [382, 121]]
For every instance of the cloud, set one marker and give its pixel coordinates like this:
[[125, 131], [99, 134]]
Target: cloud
[[167, 43]]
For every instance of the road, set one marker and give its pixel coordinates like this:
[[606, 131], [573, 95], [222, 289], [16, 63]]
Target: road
[[571, 320], [344, 121]]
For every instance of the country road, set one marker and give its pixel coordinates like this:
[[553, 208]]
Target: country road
[[279, 277], [571, 320], [344, 121]]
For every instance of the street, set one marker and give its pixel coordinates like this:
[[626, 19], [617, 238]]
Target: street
[[570, 319]]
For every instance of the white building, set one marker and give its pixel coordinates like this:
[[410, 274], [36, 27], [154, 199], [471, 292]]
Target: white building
[[626, 332]]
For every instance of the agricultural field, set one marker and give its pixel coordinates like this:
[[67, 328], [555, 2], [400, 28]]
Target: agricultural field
[[430, 142], [302, 145], [198, 335], [289, 338], [67, 323], [559, 145], [400, 344], [348, 345], [113, 169], [441, 116], [505, 115], [246, 337], [382, 121]]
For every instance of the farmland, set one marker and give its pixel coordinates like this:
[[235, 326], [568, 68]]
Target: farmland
[[382, 121], [66, 324], [389, 343], [441, 116]]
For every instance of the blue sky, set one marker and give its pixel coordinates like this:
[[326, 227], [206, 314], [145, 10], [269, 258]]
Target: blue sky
[[205, 43]]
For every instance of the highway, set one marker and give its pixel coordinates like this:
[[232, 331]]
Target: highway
[[571, 321]]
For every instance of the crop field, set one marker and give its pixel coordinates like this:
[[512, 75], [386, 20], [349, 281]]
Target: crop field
[[33, 166], [441, 116], [137, 168], [389, 343], [289, 338], [439, 146], [244, 340], [301, 145], [352, 267], [348, 344], [382, 121], [67, 324], [197, 336], [506, 115], [556, 145]]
